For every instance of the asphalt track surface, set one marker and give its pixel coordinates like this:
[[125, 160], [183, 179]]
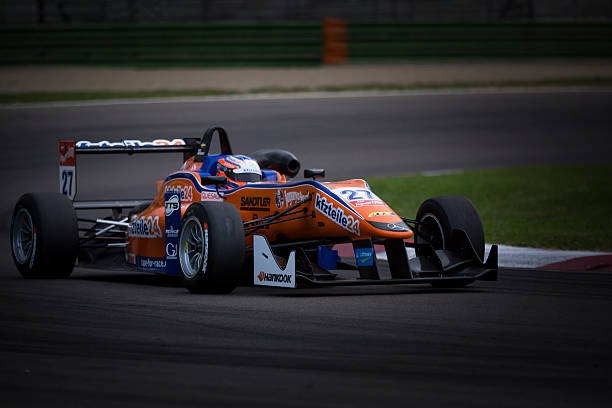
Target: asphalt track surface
[[534, 338]]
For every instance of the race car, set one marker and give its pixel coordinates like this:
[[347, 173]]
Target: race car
[[223, 220]]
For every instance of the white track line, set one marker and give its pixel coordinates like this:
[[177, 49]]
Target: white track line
[[306, 95]]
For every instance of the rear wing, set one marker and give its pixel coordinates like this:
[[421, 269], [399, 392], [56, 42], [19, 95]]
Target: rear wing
[[189, 146], [69, 150]]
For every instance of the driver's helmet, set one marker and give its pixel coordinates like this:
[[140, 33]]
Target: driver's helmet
[[239, 170]]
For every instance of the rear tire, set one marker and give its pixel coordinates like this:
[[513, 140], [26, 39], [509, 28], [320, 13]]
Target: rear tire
[[211, 247], [44, 235], [438, 217]]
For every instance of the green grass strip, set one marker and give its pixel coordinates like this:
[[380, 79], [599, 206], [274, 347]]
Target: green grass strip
[[38, 97], [564, 207]]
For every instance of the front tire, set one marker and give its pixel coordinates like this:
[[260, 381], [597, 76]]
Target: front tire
[[44, 235], [211, 248], [438, 217]]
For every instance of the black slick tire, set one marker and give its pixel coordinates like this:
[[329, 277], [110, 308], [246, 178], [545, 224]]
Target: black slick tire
[[53, 237], [222, 251], [438, 217]]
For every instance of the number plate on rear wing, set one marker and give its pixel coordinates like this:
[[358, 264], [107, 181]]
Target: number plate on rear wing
[[67, 168]]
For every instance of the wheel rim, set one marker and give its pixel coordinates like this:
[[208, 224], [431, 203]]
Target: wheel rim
[[23, 236], [431, 228], [193, 248]]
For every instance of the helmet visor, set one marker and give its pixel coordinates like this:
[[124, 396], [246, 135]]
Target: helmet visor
[[246, 177]]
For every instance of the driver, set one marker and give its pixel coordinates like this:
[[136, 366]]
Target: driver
[[239, 170]]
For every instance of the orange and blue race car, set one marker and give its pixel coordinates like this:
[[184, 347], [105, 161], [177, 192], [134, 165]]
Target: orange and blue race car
[[225, 220]]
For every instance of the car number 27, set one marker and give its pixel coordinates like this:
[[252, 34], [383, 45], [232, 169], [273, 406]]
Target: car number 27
[[357, 194], [67, 181]]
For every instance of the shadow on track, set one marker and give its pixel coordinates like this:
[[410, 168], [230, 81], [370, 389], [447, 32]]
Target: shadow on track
[[136, 279], [174, 282], [363, 291]]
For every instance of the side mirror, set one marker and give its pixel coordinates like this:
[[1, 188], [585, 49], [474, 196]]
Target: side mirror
[[314, 173], [216, 180]]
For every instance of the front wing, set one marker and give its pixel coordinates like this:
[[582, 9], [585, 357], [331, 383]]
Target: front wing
[[460, 264]]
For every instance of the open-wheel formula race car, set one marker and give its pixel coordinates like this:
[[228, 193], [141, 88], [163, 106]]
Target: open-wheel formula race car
[[224, 220]]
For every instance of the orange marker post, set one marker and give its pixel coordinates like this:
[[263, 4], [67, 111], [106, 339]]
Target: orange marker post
[[335, 45]]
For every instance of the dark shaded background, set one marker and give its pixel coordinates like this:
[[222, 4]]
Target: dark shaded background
[[75, 11]]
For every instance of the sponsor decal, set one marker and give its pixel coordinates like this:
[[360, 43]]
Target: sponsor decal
[[397, 226], [279, 197], [294, 197], [172, 225], [266, 271], [337, 215], [275, 277], [171, 250], [289, 198], [210, 196], [172, 204], [131, 143], [172, 232], [66, 154], [359, 197], [151, 264], [367, 203], [145, 227], [201, 149], [186, 192], [381, 213], [364, 256], [255, 204]]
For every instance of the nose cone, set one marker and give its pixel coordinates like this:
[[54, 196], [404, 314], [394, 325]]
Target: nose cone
[[379, 219]]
